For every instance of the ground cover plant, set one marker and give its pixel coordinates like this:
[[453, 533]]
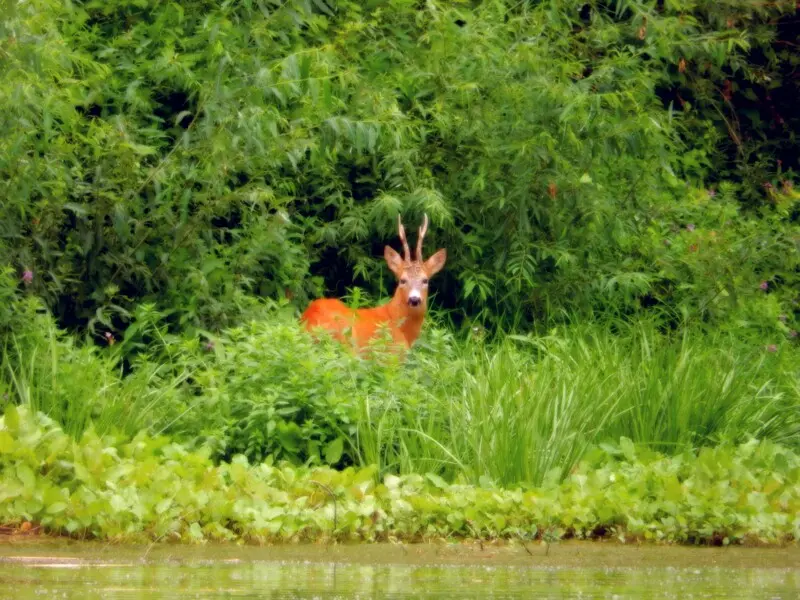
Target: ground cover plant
[[150, 488]]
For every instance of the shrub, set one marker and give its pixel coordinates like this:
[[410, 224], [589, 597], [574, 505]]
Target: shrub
[[191, 154]]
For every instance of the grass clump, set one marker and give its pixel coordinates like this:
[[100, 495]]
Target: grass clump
[[531, 405], [150, 488]]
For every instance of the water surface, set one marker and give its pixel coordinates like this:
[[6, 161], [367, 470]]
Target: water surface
[[60, 569]]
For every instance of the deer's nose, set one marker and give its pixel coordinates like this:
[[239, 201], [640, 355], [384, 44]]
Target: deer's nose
[[414, 300]]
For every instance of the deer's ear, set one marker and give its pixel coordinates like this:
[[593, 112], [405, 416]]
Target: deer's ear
[[394, 260], [435, 263]]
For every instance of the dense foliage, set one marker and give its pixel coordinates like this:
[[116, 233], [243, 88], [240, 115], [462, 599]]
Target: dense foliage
[[150, 488], [614, 184], [193, 153], [509, 412]]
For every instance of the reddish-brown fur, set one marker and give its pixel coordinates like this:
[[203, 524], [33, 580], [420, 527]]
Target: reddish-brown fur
[[402, 318]]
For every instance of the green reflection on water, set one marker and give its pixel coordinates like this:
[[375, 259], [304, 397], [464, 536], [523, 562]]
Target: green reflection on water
[[374, 571]]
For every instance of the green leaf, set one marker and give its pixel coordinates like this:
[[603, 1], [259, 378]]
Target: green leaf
[[195, 531], [56, 508], [323, 7], [163, 506], [11, 418], [627, 447], [6, 442], [333, 451], [436, 481], [26, 475], [289, 436]]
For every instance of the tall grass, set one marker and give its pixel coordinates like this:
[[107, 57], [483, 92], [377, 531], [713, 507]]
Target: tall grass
[[519, 410], [79, 385], [529, 407]]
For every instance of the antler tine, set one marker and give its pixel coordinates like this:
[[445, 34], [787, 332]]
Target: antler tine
[[421, 236], [401, 230]]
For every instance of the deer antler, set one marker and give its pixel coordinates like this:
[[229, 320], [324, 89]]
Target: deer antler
[[421, 236], [402, 232]]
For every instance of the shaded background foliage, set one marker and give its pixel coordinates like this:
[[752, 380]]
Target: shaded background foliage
[[574, 157]]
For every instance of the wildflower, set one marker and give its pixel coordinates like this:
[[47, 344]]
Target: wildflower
[[690, 227], [772, 348], [109, 338], [793, 333], [27, 276], [764, 286], [712, 192], [209, 346], [767, 185]]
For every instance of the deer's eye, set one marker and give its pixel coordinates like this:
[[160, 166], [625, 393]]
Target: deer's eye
[[403, 281], [425, 281]]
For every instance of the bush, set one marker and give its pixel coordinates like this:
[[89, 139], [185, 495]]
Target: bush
[[191, 154]]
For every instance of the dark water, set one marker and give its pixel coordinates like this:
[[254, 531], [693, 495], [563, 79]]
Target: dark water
[[383, 571]]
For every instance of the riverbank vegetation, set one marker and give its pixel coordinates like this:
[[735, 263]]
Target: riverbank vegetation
[[615, 187], [150, 488]]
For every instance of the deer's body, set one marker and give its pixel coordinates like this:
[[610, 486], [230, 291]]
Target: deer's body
[[363, 324], [402, 315]]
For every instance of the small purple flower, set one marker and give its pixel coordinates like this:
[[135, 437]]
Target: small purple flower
[[764, 286], [793, 333], [690, 227], [27, 276], [110, 338], [767, 185], [209, 346], [712, 192], [772, 348]]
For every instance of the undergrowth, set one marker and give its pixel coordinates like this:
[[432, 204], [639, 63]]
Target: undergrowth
[[150, 488], [507, 411]]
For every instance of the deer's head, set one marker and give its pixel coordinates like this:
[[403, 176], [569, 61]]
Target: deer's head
[[413, 275]]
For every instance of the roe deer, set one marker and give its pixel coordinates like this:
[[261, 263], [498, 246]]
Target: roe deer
[[403, 314]]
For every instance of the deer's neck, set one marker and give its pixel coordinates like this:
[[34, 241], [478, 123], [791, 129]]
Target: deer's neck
[[408, 322]]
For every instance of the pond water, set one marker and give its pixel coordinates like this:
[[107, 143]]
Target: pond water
[[59, 569]]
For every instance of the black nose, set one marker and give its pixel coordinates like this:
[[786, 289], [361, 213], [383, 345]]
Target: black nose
[[414, 301]]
